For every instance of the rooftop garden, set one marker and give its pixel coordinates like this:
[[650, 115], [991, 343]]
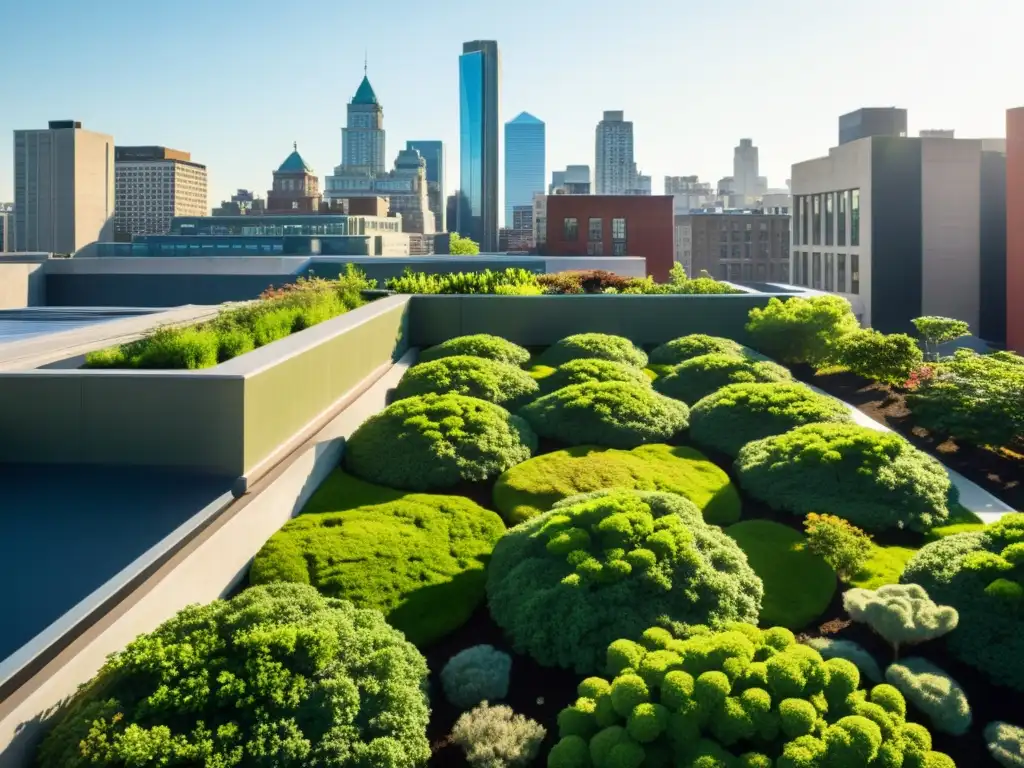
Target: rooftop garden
[[603, 555]]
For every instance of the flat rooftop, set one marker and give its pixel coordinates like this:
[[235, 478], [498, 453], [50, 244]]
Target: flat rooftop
[[34, 322]]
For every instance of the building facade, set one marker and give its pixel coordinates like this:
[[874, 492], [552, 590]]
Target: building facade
[[574, 180], [1014, 230], [479, 114], [6, 227], [405, 187], [63, 188], [152, 185], [614, 166], [433, 153], [524, 162], [519, 236], [747, 184], [242, 203], [362, 139], [737, 245], [688, 193], [296, 187], [872, 121]]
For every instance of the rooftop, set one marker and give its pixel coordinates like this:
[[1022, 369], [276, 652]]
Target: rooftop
[[365, 94], [294, 163]]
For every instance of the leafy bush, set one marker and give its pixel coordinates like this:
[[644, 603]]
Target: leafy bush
[[975, 573], [679, 283], [564, 584], [875, 480], [934, 693], [1005, 744], [477, 345], [902, 614], [437, 441], [802, 330], [888, 358], [696, 344], [585, 369], [496, 737], [276, 676], [737, 414], [706, 700], [600, 346], [938, 330], [490, 380], [533, 487], [849, 650], [476, 674], [419, 560], [845, 547], [462, 246], [582, 281], [699, 377], [461, 282], [610, 413]]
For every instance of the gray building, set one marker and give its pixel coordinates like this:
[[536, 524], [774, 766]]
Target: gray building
[[524, 162], [574, 180], [152, 185], [362, 139], [614, 166], [747, 184], [739, 245], [242, 203], [872, 121], [6, 227], [433, 153], [479, 121]]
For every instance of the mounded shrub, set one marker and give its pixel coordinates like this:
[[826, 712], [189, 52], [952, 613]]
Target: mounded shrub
[[437, 441], [614, 414], [564, 584], [602, 346], [496, 382], [478, 345], [980, 574], [844, 546], [278, 675], [696, 344], [476, 674], [802, 330], [934, 693], [698, 377], [849, 650], [738, 414], [585, 369], [1005, 744], [902, 614], [533, 487], [496, 737], [876, 480]]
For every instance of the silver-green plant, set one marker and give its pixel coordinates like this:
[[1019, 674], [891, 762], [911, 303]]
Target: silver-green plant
[[849, 650], [476, 674], [902, 614], [496, 737], [933, 692], [1005, 744]]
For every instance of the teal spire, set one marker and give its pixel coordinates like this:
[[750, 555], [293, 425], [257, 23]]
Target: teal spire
[[294, 162], [365, 94]]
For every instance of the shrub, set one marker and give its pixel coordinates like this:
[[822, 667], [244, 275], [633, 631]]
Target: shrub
[[476, 674], [277, 675], [478, 345], [600, 346], [938, 330], [585, 369], [533, 487], [609, 413], [564, 584], [706, 701], [490, 380], [888, 358], [233, 342], [800, 330], [845, 547], [695, 345], [737, 414], [966, 571], [698, 377], [934, 693], [901, 614], [875, 480], [582, 281], [1005, 744], [437, 441], [487, 281], [462, 246], [495, 737], [187, 348], [849, 650], [883, 566]]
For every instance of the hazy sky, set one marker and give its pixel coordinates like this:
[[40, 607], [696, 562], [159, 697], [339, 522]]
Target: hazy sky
[[235, 83]]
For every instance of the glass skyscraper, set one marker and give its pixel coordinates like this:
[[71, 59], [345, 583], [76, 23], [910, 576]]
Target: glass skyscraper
[[479, 83], [524, 161]]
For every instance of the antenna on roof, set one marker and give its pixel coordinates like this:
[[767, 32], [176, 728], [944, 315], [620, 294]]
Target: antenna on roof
[[295, 146], [366, 60]]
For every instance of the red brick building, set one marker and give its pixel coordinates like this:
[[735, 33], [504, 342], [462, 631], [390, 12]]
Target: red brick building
[[613, 225], [1015, 229]]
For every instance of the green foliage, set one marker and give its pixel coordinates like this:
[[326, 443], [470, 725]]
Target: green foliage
[[582, 281], [845, 547], [496, 382], [802, 330], [888, 358], [938, 330], [678, 283], [600, 346], [875, 480], [486, 281], [883, 566], [902, 614], [798, 585], [737, 414], [958, 571], [564, 584], [1005, 744], [696, 344], [849, 650], [276, 676], [533, 487], [586, 369], [934, 693], [478, 345], [496, 737], [699, 377], [476, 674], [437, 441], [615, 414], [462, 246], [420, 559]]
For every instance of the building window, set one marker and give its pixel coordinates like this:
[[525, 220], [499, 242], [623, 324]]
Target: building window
[[816, 271], [829, 272], [594, 230], [798, 205], [618, 248], [805, 220], [841, 219], [723, 234], [746, 271], [816, 221], [746, 250], [841, 271], [736, 251], [855, 217], [829, 216], [618, 229], [803, 269], [723, 251], [854, 273], [595, 248], [570, 229]]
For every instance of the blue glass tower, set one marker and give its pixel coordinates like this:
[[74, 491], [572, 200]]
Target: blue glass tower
[[524, 161], [479, 84], [433, 153]]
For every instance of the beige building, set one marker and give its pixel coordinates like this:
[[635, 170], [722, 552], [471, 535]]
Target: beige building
[[152, 185], [6, 227], [63, 187], [405, 187]]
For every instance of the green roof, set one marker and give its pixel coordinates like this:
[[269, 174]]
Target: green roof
[[365, 94], [294, 164]]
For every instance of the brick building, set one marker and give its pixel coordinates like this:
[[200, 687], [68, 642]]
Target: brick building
[[735, 245]]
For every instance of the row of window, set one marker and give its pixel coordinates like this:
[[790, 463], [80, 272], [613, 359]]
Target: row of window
[[772, 271], [824, 216], [595, 229], [827, 274], [746, 251]]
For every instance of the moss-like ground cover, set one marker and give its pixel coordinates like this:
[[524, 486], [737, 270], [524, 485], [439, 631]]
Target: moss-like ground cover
[[883, 567]]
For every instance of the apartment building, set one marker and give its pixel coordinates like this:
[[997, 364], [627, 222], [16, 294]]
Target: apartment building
[[152, 185], [737, 245]]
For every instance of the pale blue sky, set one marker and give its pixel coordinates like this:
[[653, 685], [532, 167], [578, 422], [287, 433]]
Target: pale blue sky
[[236, 83]]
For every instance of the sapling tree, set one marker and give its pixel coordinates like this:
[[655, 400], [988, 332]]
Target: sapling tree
[[842, 545], [902, 614], [935, 330]]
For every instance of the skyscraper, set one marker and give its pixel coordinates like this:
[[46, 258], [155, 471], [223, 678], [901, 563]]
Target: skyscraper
[[614, 167], [745, 170], [433, 153], [479, 92], [362, 140], [524, 162]]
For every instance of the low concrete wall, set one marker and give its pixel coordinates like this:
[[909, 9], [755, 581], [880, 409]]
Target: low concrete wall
[[22, 282]]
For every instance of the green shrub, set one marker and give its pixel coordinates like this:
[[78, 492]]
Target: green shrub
[[902, 614], [437, 441], [496, 737], [888, 358], [884, 566], [487, 281], [845, 547], [609, 413], [1005, 744], [960, 571], [476, 674], [934, 693], [802, 330], [600, 346], [875, 480], [729, 699], [233, 342], [737, 414], [585, 369], [695, 345], [533, 487], [276, 676], [564, 584], [935, 330], [490, 380], [699, 377], [798, 585], [582, 281], [478, 345], [849, 650]]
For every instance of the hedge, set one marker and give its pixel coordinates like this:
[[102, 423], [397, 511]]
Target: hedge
[[496, 382], [586, 369], [601, 346], [698, 377], [695, 345], [478, 345]]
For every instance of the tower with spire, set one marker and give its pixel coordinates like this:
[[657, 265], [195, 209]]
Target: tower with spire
[[296, 187], [362, 140]]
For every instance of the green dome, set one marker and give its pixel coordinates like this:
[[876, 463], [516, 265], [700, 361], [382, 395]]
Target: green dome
[[294, 164]]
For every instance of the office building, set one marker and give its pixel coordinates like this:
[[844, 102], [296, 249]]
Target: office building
[[1014, 230], [296, 187], [642, 186], [152, 185], [737, 245], [777, 201], [63, 187], [688, 193], [6, 227], [479, 115], [937, 133], [362, 139], [747, 184], [524, 162], [242, 203], [540, 220], [433, 153], [872, 121], [519, 236], [574, 180], [405, 187], [614, 166]]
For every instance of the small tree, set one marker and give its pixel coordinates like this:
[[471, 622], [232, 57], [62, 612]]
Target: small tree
[[902, 614], [462, 246], [888, 358], [844, 546], [801, 330], [938, 330]]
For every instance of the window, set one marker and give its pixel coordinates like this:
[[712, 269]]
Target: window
[[595, 248], [736, 251], [855, 217], [854, 272], [798, 205], [723, 251], [619, 248], [841, 272], [618, 229], [803, 269], [841, 219], [570, 229], [746, 271], [746, 251], [594, 230], [816, 270], [816, 221], [829, 217], [723, 234], [829, 272]]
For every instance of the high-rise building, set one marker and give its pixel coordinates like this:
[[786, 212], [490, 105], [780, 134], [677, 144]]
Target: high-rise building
[[152, 185], [872, 121], [688, 193], [362, 139], [524, 162], [614, 167], [746, 182], [6, 227], [479, 94], [296, 187], [433, 153], [63, 188]]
